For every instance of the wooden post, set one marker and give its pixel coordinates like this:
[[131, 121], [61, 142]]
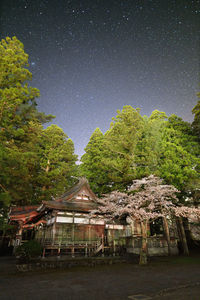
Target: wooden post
[[103, 245], [43, 234], [59, 251], [18, 237], [113, 238], [183, 236], [53, 231], [43, 253], [167, 235], [114, 248], [143, 250], [73, 237], [89, 234], [86, 249], [73, 252]]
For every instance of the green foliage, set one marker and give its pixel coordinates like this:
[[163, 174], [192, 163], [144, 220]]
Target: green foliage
[[26, 147], [179, 153], [121, 147], [37, 163], [137, 146], [148, 146], [28, 250], [92, 167], [196, 122], [57, 162]]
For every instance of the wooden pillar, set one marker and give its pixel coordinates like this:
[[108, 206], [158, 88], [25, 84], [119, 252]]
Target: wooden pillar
[[113, 239], [18, 237], [114, 248], [132, 223], [183, 237], [167, 235], [86, 249], [143, 250], [73, 236], [103, 244], [72, 251], [54, 231], [43, 253], [89, 235], [59, 251]]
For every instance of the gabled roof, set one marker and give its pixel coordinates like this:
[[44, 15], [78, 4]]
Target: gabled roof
[[18, 210], [71, 202], [72, 192], [23, 213]]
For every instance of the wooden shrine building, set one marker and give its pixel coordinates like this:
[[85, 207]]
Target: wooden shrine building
[[65, 226]]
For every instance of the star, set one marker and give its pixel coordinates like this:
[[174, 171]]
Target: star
[[122, 52]]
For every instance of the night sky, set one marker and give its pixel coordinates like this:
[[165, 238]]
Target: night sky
[[90, 58]]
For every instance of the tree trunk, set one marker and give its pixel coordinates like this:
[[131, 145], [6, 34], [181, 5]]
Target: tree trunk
[[167, 235], [143, 250], [46, 171], [183, 236], [2, 238]]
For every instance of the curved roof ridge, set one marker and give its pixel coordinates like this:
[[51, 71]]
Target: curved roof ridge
[[75, 189]]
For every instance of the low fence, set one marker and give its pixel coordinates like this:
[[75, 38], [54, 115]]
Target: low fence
[[84, 248], [157, 246]]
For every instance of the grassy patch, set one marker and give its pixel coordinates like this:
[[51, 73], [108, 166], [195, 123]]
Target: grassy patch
[[186, 260]]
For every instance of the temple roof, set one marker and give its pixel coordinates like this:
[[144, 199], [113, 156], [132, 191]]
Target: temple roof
[[78, 198], [23, 213], [72, 192]]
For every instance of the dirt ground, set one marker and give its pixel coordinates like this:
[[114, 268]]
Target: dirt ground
[[163, 278]]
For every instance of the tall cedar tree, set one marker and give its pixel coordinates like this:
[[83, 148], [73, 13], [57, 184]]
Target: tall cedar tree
[[120, 147], [20, 125], [180, 162], [196, 122], [136, 146], [148, 147], [57, 163], [91, 163], [25, 146]]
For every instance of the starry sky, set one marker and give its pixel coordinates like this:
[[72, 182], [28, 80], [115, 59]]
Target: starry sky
[[91, 57]]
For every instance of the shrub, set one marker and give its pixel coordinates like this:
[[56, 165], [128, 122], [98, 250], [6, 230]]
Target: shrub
[[28, 250]]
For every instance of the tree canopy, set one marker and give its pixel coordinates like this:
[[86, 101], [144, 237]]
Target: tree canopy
[[196, 122], [25, 145], [136, 146], [38, 163]]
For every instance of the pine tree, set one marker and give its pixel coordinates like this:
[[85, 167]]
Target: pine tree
[[57, 163], [179, 153], [148, 146], [120, 145], [20, 125], [92, 167], [196, 122]]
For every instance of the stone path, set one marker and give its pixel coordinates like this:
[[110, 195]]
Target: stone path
[[157, 281]]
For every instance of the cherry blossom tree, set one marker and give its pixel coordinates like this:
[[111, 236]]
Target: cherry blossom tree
[[192, 213], [147, 199]]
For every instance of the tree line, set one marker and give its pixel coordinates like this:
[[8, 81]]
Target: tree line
[[38, 163], [136, 146]]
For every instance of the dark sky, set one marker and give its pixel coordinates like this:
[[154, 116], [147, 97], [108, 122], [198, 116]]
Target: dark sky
[[90, 58]]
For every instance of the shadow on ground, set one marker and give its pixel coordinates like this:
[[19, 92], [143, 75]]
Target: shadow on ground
[[163, 278]]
